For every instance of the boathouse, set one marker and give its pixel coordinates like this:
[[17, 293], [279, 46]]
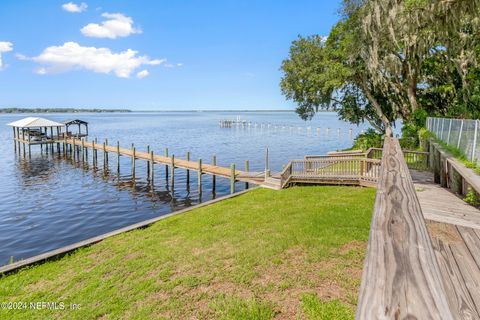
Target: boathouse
[[33, 130], [79, 123]]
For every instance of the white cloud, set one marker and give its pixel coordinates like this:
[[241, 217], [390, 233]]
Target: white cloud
[[142, 74], [117, 25], [75, 8], [5, 46], [179, 64], [72, 56]]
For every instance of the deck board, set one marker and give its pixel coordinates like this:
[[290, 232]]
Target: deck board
[[440, 204], [454, 227]]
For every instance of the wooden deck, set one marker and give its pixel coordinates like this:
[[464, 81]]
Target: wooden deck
[[401, 276], [454, 227]]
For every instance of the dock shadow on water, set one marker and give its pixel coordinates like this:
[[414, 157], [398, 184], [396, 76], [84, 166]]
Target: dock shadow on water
[[81, 199]]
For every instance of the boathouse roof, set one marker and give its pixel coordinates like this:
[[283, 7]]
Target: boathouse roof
[[34, 122], [74, 121]]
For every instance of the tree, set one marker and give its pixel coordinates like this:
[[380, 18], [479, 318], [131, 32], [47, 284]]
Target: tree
[[385, 59], [323, 74]]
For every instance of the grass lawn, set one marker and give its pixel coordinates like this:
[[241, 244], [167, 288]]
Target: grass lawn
[[288, 254]]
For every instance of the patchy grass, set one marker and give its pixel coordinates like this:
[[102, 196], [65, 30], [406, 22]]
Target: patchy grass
[[294, 253]]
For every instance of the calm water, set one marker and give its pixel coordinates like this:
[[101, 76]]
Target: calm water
[[48, 202]]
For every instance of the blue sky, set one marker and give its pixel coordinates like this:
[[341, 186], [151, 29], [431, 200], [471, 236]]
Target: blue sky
[[197, 54]]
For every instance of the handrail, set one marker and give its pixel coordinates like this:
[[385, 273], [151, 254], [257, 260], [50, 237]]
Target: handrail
[[401, 277], [286, 174]]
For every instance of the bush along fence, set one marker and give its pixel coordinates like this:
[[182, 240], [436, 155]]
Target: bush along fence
[[462, 134]]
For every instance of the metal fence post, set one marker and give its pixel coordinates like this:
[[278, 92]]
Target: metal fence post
[[449, 131], [442, 132], [474, 141], [460, 135]]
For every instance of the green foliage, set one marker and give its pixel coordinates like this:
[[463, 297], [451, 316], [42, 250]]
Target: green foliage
[[316, 309], [472, 198], [219, 261], [387, 60], [369, 139], [411, 130]]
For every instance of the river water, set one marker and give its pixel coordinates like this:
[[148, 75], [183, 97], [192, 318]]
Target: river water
[[47, 202]]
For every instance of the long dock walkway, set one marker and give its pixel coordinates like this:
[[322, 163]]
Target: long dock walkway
[[454, 228]]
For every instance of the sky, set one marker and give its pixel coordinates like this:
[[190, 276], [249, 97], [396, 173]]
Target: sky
[[152, 55]]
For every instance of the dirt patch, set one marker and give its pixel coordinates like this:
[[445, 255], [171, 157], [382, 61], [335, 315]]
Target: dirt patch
[[444, 232], [354, 245]]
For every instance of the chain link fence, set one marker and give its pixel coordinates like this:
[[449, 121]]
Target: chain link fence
[[462, 134]]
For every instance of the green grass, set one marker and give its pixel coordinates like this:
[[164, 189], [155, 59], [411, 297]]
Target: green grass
[[294, 253]]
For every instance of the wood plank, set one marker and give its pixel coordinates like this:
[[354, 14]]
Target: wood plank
[[443, 237], [470, 271], [401, 276]]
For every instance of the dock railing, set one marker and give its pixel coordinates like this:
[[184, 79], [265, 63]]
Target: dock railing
[[401, 277], [348, 170]]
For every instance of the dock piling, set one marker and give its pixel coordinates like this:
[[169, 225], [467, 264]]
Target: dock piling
[[214, 178], [246, 170], [118, 157], [151, 168], [200, 175], [148, 165], [232, 178], [173, 171], [133, 161], [166, 166], [188, 172]]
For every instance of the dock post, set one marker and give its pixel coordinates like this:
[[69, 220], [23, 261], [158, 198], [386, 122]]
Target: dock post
[[148, 165], [232, 178], [133, 161], [246, 170], [166, 166], [151, 168], [214, 178], [105, 153], [83, 150], [93, 152], [73, 149], [118, 157], [188, 172], [173, 171], [200, 175]]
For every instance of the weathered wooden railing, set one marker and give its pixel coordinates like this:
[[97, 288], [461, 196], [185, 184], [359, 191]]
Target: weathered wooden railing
[[350, 170], [417, 160], [401, 277]]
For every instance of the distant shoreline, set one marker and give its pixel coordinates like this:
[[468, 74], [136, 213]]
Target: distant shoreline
[[74, 110], [58, 110]]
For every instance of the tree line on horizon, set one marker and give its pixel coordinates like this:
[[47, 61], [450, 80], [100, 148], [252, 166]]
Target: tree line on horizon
[[57, 110], [388, 60]]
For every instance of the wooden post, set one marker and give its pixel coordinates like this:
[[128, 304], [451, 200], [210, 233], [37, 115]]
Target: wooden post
[[118, 157], [173, 171], [246, 170], [151, 168], [94, 153], [200, 175], [214, 162], [105, 153], [83, 150], [232, 178], [73, 148], [188, 171], [104, 156], [267, 169], [133, 161], [148, 165], [166, 166]]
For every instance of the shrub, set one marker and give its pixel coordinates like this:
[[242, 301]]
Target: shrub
[[368, 139]]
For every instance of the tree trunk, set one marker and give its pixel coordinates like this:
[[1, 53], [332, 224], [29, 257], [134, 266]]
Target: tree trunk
[[378, 109], [412, 92]]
